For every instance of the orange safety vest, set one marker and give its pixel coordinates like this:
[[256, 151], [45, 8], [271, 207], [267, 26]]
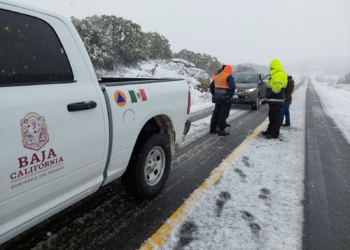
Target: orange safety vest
[[220, 81], [221, 85]]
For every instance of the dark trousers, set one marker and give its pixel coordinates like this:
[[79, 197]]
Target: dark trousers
[[285, 112], [229, 108], [219, 115], [274, 118]]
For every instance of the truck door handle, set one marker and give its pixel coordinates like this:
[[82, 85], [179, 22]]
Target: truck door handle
[[81, 106]]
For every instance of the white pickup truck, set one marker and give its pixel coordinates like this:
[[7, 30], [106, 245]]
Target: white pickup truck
[[64, 133]]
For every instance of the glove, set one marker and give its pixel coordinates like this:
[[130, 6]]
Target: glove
[[263, 102]]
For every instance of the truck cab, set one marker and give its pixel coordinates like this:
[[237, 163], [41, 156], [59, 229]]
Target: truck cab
[[63, 133]]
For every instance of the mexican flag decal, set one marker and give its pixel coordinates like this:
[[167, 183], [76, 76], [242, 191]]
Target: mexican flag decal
[[141, 94], [121, 99]]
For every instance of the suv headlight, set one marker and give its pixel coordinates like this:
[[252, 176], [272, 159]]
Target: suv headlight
[[250, 90]]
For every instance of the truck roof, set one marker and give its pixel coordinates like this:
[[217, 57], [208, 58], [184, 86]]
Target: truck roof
[[28, 7]]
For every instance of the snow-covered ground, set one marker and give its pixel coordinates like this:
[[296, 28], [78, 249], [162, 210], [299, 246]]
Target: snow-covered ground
[[336, 99], [253, 199]]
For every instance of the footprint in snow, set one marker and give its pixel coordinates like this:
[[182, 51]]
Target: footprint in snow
[[186, 234], [220, 202], [254, 227], [250, 218], [245, 160], [264, 193], [241, 174], [247, 216]]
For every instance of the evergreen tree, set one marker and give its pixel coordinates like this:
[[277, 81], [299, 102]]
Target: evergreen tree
[[243, 68], [97, 44], [345, 79], [158, 46], [202, 61], [112, 40]]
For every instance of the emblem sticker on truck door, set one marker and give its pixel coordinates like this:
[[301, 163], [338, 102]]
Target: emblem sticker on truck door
[[34, 131], [121, 99], [43, 164]]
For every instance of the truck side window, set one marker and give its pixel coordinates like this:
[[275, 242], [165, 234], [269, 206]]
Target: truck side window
[[30, 52]]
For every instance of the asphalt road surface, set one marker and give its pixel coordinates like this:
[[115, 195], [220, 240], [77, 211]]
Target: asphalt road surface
[[327, 180]]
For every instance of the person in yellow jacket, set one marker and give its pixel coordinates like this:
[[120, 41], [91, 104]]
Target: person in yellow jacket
[[275, 93]]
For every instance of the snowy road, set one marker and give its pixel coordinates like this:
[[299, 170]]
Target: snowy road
[[253, 200], [256, 201], [327, 183]]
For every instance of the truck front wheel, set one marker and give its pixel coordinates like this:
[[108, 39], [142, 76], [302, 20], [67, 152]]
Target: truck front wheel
[[148, 168]]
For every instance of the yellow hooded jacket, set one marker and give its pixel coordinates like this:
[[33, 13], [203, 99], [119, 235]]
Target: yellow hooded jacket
[[275, 91]]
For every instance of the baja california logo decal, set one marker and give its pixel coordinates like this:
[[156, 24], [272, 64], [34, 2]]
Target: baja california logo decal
[[34, 131]]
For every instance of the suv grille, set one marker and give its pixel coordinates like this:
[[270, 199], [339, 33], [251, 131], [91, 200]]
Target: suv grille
[[238, 91]]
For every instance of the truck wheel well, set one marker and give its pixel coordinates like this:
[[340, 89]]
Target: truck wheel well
[[158, 124]]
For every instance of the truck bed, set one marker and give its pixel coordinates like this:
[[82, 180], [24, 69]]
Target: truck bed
[[113, 81]]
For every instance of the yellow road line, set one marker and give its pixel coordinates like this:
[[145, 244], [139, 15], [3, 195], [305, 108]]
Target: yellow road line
[[162, 234]]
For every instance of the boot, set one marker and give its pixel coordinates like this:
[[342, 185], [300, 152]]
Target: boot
[[223, 133], [269, 136], [213, 131], [228, 125], [265, 132]]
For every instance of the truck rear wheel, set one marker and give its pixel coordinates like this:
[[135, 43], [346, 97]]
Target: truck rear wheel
[[149, 167]]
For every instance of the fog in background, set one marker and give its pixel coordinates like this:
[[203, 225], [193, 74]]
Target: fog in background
[[303, 34]]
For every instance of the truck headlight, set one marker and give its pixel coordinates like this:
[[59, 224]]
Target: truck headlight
[[250, 90]]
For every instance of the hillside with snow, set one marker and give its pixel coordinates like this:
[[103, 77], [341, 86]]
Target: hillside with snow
[[197, 79]]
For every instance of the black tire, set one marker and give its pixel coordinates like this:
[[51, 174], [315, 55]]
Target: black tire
[[255, 106], [149, 168]]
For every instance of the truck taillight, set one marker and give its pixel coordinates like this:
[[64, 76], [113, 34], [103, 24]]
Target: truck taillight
[[189, 102]]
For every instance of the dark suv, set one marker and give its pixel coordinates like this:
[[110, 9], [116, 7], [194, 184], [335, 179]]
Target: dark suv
[[251, 89]]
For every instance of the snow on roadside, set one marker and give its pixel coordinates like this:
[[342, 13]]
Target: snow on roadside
[[201, 127], [257, 204], [336, 100]]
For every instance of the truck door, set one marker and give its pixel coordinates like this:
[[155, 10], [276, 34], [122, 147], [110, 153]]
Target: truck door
[[52, 120]]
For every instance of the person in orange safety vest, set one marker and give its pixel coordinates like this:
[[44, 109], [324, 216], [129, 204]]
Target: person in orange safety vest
[[222, 87]]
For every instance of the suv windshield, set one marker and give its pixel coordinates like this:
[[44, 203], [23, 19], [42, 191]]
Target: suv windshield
[[246, 78], [267, 77]]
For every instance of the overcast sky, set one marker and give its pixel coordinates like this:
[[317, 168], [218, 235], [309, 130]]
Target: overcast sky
[[254, 31]]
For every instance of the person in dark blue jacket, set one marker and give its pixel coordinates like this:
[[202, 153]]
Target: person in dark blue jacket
[[222, 87]]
